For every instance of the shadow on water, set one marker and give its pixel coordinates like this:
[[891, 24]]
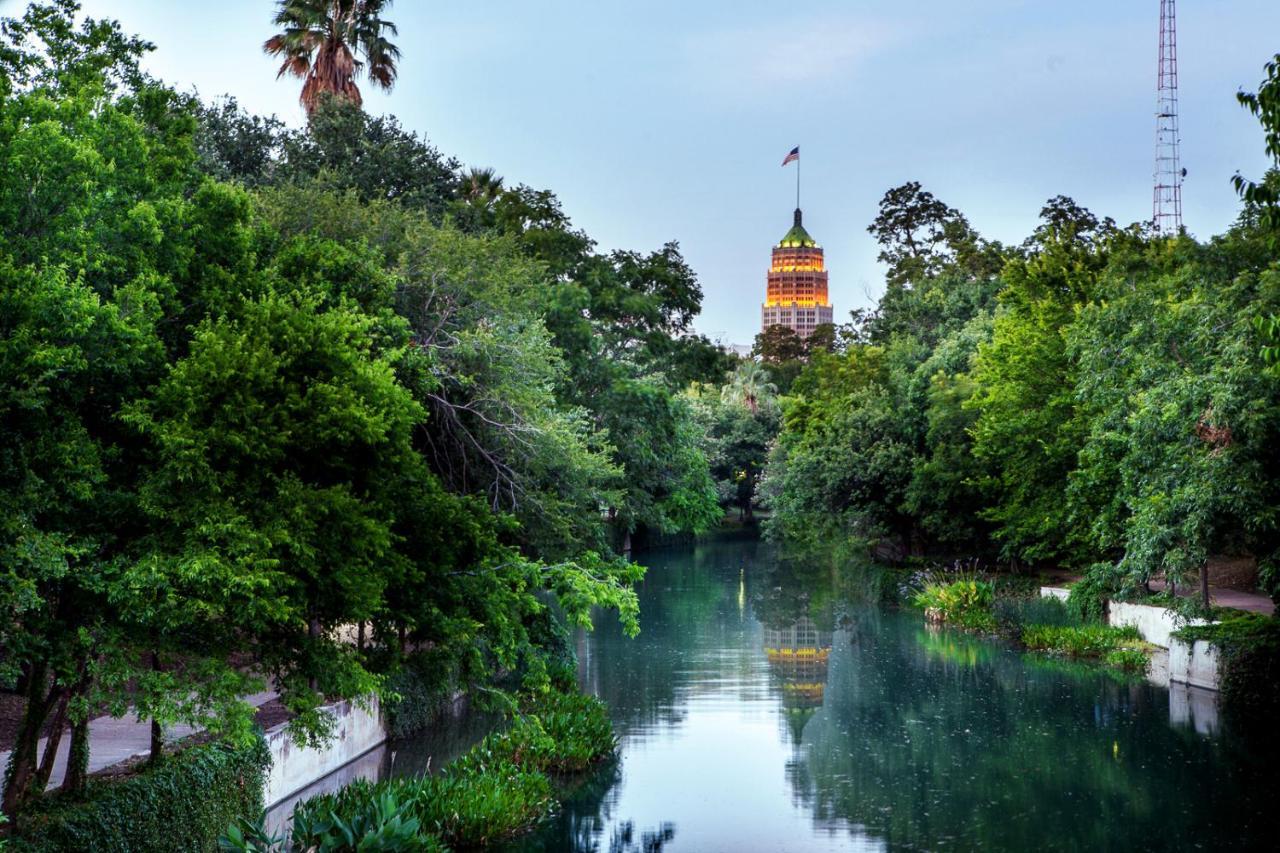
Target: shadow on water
[[771, 703]]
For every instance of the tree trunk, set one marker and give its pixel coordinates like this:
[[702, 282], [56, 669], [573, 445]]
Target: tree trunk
[[360, 638], [157, 730], [78, 758], [41, 780], [626, 544], [313, 631], [1204, 585], [22, 762]]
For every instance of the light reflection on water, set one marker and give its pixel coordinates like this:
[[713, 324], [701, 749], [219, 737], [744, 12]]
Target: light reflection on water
[[766, 707]]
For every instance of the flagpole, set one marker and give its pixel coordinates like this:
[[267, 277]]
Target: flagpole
[[797, 182]]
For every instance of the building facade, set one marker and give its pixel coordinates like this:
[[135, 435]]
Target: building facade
[[796, 295]]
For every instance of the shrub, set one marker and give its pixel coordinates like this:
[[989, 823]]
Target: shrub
[[420, 691], [966, 602], [182, 804], [1088, 596]]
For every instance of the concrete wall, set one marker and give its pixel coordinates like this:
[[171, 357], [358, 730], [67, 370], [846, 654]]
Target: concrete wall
[[356, 731], [1059, 592], [1155, 624], [1194, 707], [1194, 663]]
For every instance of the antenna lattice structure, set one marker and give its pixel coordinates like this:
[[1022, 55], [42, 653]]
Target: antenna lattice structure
[[1166, 205]]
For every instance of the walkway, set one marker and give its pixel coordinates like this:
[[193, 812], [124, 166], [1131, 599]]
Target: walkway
[[1253, 602], [116, 739]]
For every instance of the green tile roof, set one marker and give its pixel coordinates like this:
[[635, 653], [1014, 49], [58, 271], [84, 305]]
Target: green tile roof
[[797, 237]]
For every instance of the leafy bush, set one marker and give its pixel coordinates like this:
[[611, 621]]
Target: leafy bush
[[1088, 596], [419, 691], [1249, 659], [1085, 641], [966, 602], [182, 804]]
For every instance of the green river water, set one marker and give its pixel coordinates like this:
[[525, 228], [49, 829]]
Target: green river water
[[767, 705]]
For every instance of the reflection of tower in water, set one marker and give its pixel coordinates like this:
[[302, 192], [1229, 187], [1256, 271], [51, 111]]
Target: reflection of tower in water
[[797, 656]]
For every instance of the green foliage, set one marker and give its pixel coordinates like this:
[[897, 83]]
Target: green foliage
[[498, 789], [1088, 596], [184, 803], [373, 824], [966, 602], [419, 691], [1013, 613], [1121, 647]]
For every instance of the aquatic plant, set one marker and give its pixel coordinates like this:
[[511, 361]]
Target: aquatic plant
[[965, 602], [1013, 614], [498, 789], [1085, 641]]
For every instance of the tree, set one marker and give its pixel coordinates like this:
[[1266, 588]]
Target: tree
[[749, 386], [328, 42], [778, 344], [1265, 106], [918, 234]]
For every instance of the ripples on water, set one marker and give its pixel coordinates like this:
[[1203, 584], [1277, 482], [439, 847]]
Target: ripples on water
[[766, 706]]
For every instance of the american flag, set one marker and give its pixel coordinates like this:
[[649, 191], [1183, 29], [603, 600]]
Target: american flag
[[794, 155]]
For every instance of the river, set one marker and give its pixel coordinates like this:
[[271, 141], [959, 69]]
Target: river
[[768, 706]]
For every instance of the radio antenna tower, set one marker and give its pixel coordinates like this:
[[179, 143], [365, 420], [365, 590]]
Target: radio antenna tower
[[1166, 206]]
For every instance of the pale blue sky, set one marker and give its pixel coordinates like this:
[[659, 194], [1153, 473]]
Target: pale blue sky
[[667, 120]]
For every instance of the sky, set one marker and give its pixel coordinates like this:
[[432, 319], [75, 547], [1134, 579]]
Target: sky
[[664, 120]]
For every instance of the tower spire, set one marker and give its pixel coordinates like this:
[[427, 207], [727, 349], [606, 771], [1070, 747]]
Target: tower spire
[[1166, 203]]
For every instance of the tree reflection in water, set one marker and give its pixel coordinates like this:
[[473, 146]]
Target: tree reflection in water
[[887, 734]]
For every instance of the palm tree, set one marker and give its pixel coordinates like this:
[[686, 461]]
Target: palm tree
[[481, 186], [749, 386], [321, 41]]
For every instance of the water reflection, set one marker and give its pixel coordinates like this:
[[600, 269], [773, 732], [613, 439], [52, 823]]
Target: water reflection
[[768, 704]]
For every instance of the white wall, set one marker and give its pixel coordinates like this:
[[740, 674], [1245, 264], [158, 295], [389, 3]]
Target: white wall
[[1155, 624], [356, 731], [1194, 663]]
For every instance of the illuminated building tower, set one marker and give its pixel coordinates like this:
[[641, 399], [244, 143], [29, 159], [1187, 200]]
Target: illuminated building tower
[[797, 291]]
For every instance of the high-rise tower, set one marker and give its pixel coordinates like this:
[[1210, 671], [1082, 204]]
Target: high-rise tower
[[1166, 204], [796, 295]]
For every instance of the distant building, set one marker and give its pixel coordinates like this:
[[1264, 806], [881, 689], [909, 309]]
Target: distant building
[[797, 291]]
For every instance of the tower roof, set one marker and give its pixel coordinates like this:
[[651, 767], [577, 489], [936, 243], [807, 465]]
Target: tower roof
[[797, 237]]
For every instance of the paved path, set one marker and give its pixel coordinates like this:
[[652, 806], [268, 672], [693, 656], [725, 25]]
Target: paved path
[[113, 740], [1235, 599]]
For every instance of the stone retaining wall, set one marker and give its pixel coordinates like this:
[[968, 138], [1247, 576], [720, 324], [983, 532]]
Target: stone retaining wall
[[356, 731]]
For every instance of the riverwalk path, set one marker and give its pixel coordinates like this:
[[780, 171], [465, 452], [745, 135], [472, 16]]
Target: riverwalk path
[[1235, 599], [116, 739]]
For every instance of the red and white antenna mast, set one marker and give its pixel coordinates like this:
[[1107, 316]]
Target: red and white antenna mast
[[1166, 206]]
